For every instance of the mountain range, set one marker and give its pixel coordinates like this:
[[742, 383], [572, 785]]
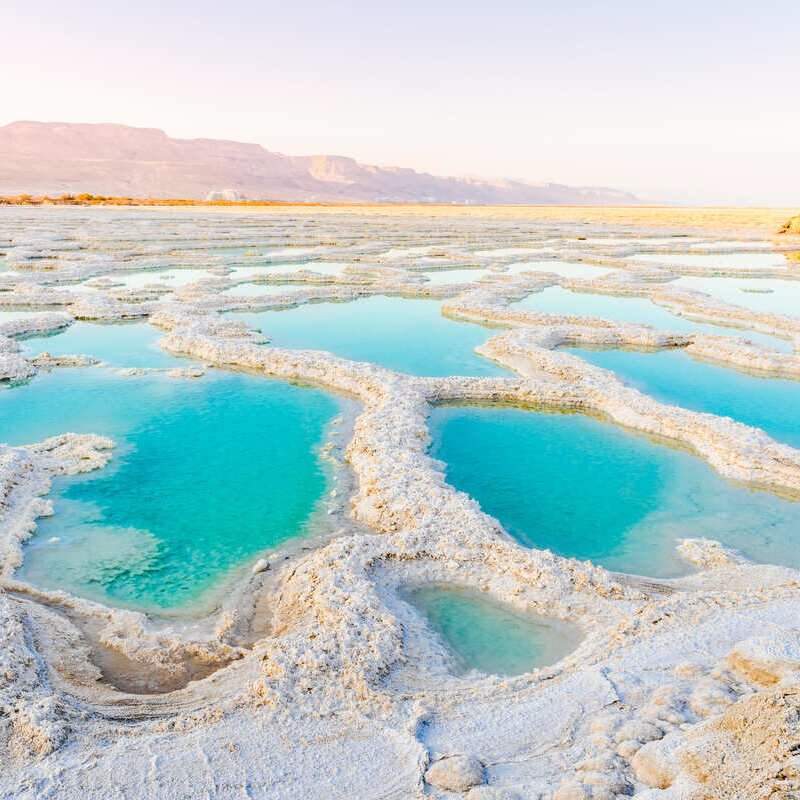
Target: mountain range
[[54, 158]]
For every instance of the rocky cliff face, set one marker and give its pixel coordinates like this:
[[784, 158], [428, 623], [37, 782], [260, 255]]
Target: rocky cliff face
[[58, 158]]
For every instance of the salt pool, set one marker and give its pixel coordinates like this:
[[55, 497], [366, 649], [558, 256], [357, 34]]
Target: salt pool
[[445, 276], [489, 636], [120, 344], [207, 474], [557, 300], [674, 377], [406, 335], [588, 489], [569, 269], [260, 289], [732, 260], [760, 294]]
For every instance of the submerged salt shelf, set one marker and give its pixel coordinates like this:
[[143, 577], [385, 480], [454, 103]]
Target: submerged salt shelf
[[557, 300], [674, 377], [402, 334], [587, 489], [119, 344], [491, 637], [206, 475]]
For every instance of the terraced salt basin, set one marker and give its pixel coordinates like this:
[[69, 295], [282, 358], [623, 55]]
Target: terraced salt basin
[[673, 377], [590, 490], [636, 310], [207, 475], [489, 636], [405, 335]]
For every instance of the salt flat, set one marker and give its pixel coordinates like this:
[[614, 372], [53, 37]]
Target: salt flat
[[216, 502]]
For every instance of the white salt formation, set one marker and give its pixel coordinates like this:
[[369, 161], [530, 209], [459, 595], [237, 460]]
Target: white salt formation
[[316, 680]]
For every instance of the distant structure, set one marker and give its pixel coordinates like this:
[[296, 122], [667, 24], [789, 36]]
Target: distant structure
[[226, 195]]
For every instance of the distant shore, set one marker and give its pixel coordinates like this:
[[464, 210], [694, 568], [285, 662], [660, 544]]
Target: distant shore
[[765, 221]]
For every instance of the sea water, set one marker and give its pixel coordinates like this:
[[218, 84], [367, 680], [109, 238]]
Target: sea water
[[716, 260], [489, 636], [591, 490], [126, 344], [207, 474], [636, 310], [766, 295], [406, 335], [674, 377]]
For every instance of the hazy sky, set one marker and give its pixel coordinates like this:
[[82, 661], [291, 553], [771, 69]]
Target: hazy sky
[[687, 101]]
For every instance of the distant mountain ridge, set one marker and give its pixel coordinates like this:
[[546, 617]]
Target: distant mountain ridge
[[54, 158]]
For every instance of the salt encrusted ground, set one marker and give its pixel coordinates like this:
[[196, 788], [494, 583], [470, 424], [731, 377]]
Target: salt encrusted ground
[[680, 689]]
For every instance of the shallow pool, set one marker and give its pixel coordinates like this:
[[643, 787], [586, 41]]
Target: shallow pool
[[675, 378], [206, 475], [588, 489], [557, 300], [489, 636], [260, 289], [760, 294], [716, 260], [121, 344], [444, 276], [406, 335]]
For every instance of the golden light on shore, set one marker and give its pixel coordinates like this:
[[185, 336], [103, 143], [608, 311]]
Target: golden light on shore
[[714, 218]]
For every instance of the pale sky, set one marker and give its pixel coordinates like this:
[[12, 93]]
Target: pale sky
[[683, 101]]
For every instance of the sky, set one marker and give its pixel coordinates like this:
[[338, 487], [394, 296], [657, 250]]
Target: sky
[[690, 102]]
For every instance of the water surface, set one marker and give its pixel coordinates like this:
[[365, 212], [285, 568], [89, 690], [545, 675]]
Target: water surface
[[569, 269], [206, 475], [760, 294], [118, 344], [673, 377], [489, 636], [636, 310], [731, 260], [406, 335], [588, 489]]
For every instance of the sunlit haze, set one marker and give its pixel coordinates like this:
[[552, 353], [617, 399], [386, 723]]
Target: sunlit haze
[[675, 101]]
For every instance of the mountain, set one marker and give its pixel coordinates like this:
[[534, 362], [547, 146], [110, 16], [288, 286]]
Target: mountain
[[54, 158]]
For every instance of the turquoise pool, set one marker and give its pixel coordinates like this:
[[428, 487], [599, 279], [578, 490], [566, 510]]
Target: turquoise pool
[[207, 474], [588, 489], [674, 377], [556, 300], [406, 335], [122, 344], [489, 636]]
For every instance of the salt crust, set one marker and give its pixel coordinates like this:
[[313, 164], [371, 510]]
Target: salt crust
[[679, 690]]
